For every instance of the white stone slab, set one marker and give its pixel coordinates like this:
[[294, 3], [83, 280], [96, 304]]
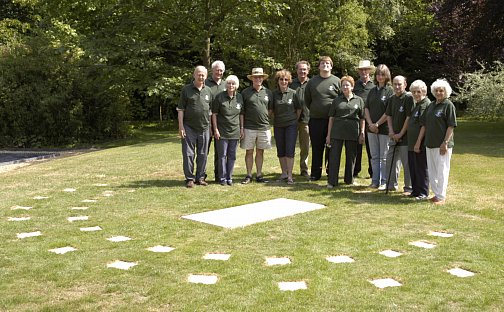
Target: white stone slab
[[69, 190], [89, 201], [78, 218], [422, 244], [122, 265], [244, 215], [390, 253], [108, 193], [292, 286], [62, 250], [17, 219], [202, 279], [217, 256], [460, 272], [17, 207], [118, 239], [91, 229], [340, 259], [28, 234], [440, 234], [277, 261], [385, 282], [160, 248], [79, 208], [40, 197], [101, 184], [131, 191]]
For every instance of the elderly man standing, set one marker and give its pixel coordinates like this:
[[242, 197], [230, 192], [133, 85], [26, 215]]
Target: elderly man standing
[[194, 121], [299, 84], [320, 91], [398, 112], [255, 120], [362, 88], [217, 85]]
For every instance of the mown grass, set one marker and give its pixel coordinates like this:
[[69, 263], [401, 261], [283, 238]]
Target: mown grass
[[149, 200]]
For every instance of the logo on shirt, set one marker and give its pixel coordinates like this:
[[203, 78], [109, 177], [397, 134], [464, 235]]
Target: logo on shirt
[[331, 88], [207, 98], [266, 98], [383, 98], [401, 109], [438, 114], [417, 113], [238, 106], [356, 106], [289, 101]]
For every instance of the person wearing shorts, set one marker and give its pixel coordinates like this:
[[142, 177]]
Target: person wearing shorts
[[256, 127]]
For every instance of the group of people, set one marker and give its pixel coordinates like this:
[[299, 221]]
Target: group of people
[[400, 129]]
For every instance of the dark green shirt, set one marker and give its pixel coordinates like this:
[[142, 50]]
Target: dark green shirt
[[255, 108], [196, 106], [228, 114], [436, 119], [319, 94], [376, 103], [300, 91], [414, 124], [347, 114], [284, 107], [216, 88], [399, 108], [362, 89]]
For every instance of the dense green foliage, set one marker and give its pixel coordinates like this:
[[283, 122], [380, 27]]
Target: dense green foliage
[[75, 71]]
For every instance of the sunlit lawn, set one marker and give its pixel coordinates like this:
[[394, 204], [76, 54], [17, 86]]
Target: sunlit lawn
[[149, 199]]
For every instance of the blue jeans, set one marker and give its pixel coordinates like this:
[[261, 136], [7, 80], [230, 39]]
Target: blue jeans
[[195, 145], [226, 150], [285, 138]]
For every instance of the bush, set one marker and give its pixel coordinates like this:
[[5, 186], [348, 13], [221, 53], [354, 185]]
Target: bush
[[482, 91]]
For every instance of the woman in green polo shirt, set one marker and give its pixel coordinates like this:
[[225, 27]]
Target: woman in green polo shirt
[[226, 121], [285, 112], [346, 127], [438, 122]]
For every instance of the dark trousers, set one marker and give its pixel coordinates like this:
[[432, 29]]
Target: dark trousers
[[216, 158], [227, 157], [417, 163], [358, 160], [335, 159], [318, 133]]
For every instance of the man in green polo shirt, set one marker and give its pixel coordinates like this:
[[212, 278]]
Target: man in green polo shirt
[[193, 121], [299, 84], [255, 120], [398, 110], [217, 85]]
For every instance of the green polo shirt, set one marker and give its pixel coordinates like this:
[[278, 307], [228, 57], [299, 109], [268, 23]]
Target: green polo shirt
[[255, 108], [399, 108], [347, 114], [228, 114], [376, 103], [414, 124], [436, 119], [300, 91], [362, 89], [196, 106], [319, 94], [216, 88], [284, 107]]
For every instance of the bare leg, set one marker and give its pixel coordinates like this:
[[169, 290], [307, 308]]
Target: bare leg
[[249, 161], [283, 165], [258, 161], [289, 163]]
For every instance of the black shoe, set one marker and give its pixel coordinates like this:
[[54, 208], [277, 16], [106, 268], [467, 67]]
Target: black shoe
[[314, 179], [222, 182], [247, 180], [261, 179], [229, 182]]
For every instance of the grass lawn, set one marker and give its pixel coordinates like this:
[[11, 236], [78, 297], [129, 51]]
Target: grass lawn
[[149, 198]]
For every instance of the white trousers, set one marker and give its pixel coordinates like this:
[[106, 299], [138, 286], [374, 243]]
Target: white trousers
[[439, 170]]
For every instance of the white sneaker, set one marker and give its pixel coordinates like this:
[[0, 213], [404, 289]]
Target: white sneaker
[[382, 187]]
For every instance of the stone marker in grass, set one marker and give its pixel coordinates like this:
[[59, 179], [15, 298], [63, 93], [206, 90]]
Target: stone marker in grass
[[423, 244], [122, 265], [277, 261], [390, 253], [160, 248], [17, 219], [91, 229], [117, 239], [62, 250], [28, 234], [217, 256], [460, 272], [69, 190], [89, 201], [440, 234], [40, 197], [340, 259], [206, 279], [292, 286], [385, 282], [17, 207], [78, 218]]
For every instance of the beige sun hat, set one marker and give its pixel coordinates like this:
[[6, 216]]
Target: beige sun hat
[[258, 71], [365, 64]]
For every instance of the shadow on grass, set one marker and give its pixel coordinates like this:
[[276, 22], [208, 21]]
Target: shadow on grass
[[158, 183]]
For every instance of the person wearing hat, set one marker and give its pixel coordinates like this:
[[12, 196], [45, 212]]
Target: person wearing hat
[[193, 122], [320, 91], [255, 121], [362, 88]]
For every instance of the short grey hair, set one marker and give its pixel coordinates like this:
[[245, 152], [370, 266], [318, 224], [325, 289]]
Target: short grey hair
[[219, 64], [441, 83], [420, 85], [233, 78], [200, 68]]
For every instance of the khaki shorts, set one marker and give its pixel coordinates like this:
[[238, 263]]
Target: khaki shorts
[[256, 138]]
